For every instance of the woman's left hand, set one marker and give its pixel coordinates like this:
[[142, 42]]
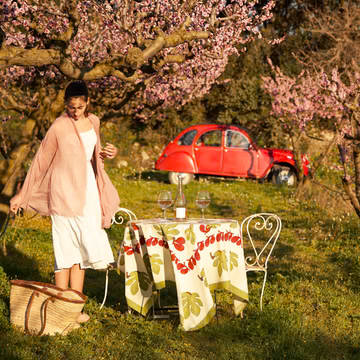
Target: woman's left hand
[[108, 152]]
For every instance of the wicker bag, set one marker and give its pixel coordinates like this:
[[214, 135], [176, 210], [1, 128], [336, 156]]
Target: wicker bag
[[44, 309]]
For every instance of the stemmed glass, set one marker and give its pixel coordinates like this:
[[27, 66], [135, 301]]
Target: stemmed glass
[[202, 200], [165, 200]]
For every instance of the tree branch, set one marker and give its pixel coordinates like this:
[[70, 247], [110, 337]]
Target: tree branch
[[135, 58], [9, 103], [315, 137], [70, 12]]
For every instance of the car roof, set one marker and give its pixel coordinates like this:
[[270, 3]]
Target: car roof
[[192, 127]]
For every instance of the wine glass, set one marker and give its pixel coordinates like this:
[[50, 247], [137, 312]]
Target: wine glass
[[165, 200], [202, 200]]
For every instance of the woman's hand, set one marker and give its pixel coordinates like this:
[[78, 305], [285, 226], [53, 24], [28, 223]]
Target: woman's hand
[[15, 203], [108, 152]]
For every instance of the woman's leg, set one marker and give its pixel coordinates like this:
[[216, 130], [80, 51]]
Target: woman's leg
[[62, 278], [77, 276]]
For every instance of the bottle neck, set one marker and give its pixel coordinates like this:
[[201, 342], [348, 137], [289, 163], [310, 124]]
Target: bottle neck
[[180, 186], [180, 202]]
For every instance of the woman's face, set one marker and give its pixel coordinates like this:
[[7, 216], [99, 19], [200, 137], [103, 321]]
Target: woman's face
[[76, 108]]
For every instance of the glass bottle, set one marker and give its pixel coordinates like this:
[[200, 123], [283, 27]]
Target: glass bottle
[[180, 201]]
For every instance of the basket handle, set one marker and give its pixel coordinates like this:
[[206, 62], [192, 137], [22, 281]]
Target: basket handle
[[32, 298]]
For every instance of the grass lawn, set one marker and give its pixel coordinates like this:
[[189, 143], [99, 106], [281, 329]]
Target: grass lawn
[[311, 302]]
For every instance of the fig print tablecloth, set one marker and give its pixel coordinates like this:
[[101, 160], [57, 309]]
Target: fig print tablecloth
[[200, 255]]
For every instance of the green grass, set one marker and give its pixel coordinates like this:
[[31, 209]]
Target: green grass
[[311, 302]]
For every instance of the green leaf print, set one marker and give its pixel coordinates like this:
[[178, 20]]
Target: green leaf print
[[133, 282], [167, 231], [190, 235], [127, 236], [202, 275], [155, 263], [191, 303], [233, 260], [158, 229], [234, 225], [220, 261], [138, 278], [146, 260], [144, 281]]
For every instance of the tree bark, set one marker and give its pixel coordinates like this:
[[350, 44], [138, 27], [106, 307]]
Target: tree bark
[[354, 194], [302, 180], [14, 167], [347, 185], [297, 154], [307, 180]]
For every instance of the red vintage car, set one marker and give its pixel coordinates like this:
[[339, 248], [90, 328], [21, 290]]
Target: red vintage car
[[226, 150]]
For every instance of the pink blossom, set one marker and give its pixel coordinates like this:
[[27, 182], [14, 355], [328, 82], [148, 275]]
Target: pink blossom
[[111, 27]]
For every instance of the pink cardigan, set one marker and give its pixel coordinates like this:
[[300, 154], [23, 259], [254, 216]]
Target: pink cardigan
[[56, 180]]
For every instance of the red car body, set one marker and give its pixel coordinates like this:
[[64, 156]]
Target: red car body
[[224, 150]]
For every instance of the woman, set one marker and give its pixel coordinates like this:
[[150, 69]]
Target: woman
[[67, 181]]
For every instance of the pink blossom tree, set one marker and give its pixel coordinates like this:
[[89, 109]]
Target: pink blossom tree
[[299, 101], [131, 53]]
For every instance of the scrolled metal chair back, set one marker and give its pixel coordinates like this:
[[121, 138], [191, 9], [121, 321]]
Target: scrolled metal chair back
[[259, 225], [119, 219]]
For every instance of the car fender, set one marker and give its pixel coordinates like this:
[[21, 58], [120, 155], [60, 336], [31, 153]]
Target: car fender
[[279, 164], [178, 162]]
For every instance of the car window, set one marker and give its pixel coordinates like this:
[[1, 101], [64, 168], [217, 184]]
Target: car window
[[235, 139], [210, 138], [187, 138]]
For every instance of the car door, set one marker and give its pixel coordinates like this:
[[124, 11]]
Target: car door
[[208, 152], [238, 158]]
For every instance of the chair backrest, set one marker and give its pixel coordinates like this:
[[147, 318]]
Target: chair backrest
[[260, 228], [118, 218]]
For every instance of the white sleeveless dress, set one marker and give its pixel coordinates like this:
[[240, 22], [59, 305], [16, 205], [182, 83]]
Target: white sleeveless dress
[[80, 239]]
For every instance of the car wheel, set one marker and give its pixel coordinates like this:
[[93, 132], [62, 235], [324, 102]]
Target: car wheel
[[187, 178], [284, 175]]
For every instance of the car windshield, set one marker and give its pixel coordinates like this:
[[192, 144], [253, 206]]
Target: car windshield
[[235, 139], [187, 138], [210, 138]]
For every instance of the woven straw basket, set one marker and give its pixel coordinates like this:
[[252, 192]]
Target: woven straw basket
[[44, 309]]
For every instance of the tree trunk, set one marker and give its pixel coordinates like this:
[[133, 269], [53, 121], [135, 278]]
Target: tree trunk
[[348, 187], [302, 180], [301, 190], [354, 194], [297, 156], [14, 167]]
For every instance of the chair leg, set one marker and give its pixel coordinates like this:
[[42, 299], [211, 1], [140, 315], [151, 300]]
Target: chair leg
[[216, 308], [159, 298], [262, 290]]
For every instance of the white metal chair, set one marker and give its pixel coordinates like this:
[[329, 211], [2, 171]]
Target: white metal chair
[[262, 225], [117, 219]]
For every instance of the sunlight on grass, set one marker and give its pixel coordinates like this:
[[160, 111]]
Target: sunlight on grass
[[311, 302]]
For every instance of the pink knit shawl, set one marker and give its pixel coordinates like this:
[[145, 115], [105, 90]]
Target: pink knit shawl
[[56, 180]]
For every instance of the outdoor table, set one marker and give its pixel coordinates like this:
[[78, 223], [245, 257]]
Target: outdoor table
[[200, 255]]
